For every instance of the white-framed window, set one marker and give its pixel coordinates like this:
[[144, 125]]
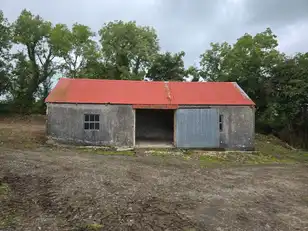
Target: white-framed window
[[221, 123], [91, 122]]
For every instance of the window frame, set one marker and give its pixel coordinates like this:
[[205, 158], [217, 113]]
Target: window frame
[[91, 122]]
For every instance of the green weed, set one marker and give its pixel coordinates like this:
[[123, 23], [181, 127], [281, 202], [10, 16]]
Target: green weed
[[108, 152], [4, 189]]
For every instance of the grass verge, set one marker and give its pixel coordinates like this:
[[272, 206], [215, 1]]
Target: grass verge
[[270, 146], [98, 151], [269, 150]]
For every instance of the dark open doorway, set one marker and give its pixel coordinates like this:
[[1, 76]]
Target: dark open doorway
[[154, 127]]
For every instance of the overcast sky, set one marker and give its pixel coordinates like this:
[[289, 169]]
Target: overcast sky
[[188, 25]]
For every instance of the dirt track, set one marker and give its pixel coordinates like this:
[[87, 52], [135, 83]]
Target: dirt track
[[62, 190]]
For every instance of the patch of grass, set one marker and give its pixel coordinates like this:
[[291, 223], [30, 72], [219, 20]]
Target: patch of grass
[[4, 189], [189, 229], [305, 199], [236, 158], [270, 146], [9, 221], [269, 150], [260, 158], [210, 160], [123, 153], [108, 152], [94, 227], [187, 157], [90, 227], [164, 152], [158, 153], [13, 138]]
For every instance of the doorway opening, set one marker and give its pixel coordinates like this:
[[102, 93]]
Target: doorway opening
[[154, 127]]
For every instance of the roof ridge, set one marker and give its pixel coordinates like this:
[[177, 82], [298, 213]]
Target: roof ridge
[[138, 81], [168, 91]]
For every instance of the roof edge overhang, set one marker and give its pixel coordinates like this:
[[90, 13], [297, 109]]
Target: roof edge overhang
[[244, 94], [160, 106]]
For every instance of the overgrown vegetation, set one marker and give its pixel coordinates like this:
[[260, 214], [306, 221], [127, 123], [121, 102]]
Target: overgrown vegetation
[[275, 81], [269, 150]]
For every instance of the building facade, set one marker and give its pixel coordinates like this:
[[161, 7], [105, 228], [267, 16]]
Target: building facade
[[131, 113]]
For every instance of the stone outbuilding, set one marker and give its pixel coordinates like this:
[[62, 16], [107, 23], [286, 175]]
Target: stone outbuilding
[[126, 113]]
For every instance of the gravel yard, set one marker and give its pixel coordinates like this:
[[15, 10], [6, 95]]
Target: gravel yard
[[43, 188]]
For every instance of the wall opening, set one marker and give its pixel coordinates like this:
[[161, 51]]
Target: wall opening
[[154, 127], [221, 123]]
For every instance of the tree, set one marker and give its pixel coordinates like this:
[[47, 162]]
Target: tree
[[167, 67], [76, 47], [127, 49], [287, 106], [213, 62], [248, 62], [193, 73], [20, 83], [5, 45], [94, 69], [33, 33], [277, 83]]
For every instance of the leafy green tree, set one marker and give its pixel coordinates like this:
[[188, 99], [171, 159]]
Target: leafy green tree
[[248, 62], [287, 106], [277, 83], [94, 69], [20, 83], [76, 47], [193, 73], [213, 63], [33, 33], [167, 67], [5, 45], [128, 49]]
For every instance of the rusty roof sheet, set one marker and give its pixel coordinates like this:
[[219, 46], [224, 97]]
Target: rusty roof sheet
[[147, 93]]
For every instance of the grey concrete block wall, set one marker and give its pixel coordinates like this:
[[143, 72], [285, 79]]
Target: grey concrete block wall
[[65, 122], [238, 127]]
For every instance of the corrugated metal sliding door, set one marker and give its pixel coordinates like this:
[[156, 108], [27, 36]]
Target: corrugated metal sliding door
[[197, 128]]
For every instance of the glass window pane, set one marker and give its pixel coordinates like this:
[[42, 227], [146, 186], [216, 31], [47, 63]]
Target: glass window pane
[[91, 125], [91, 118], [96, 118], [86, 126], [86, 117], [96, 126]]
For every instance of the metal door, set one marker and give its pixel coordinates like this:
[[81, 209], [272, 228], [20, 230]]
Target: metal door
[[197, 128]]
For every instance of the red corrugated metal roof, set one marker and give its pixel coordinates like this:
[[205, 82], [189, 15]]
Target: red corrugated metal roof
[[147, 93]]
